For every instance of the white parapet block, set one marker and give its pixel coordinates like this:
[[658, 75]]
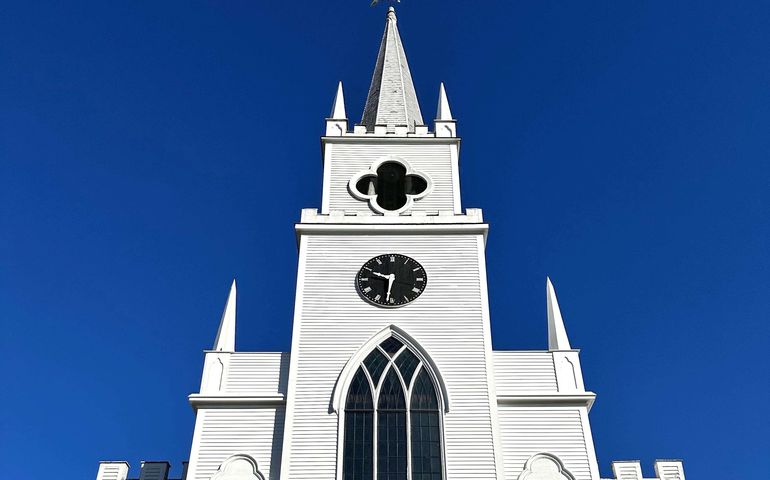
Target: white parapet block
[[627, 470], [154, 471], [112, 471], [669, 469]]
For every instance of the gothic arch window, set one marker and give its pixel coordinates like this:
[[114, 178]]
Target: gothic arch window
[[392, 419]]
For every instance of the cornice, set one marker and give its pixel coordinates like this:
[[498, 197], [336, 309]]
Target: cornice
[[198, 401], [574, 399], [385, 229], [370, 138]]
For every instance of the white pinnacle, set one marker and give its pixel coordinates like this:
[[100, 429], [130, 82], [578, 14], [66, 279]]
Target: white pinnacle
[[338, 109], [557, 334], [225, 341], [442, 111]]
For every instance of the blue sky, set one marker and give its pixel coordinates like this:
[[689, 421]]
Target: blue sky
[[152, 151]]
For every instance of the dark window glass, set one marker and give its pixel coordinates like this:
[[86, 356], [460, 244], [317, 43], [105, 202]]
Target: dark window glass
[[425, 430], [414, 185], [359, 430], [390, 186], [376, 362], [423, 393], [391, 345], [359, 395], [391, 430], [407, 362], [367, 185]]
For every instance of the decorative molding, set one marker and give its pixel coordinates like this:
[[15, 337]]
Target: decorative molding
[[585, 400], [545, 466], [238, 467], [372, 172], [346, 375], [372, 138], [198, 401], [369, 229], [416, 217]]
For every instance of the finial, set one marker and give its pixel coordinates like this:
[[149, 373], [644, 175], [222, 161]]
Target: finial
[[225, 341], [338, 107], [391, 13], [557, 334], [442, 111]]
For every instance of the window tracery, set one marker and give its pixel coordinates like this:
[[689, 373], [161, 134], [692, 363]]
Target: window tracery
[[400, 439], [390, 185]]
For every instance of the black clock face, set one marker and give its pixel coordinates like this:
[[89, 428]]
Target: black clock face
[[391, 280]]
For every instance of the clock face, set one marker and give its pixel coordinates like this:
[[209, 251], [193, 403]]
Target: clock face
[[391, 280]]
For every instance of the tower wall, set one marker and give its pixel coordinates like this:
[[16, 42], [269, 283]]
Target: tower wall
[[450, 321], [346, 156]]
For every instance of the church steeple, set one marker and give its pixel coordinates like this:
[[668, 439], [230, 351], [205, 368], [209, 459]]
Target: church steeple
[[392, 100]]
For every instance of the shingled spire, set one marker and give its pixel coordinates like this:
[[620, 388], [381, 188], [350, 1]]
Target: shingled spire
[[392, 100]]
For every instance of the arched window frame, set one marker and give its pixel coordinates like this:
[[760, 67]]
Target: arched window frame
[[425, 363]]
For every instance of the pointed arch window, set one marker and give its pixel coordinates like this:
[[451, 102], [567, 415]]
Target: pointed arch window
[[392, 423]]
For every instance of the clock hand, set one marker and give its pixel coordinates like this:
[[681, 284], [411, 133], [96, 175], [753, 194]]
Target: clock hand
[[391, 279], [381, 275]]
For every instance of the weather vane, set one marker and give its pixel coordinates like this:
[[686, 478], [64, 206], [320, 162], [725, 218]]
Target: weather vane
[[375, 2]]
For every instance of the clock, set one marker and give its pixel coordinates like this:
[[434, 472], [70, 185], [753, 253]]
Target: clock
[[391, 280]]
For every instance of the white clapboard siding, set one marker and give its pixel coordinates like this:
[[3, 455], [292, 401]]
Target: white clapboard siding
[[432, 159], [526, 431], [255, 431], [258, 373], [446, 320], [524, 372]]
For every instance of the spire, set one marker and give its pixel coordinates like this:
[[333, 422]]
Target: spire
[[442, 111], [557, 334], [225, 341], [392, 100], [338, 109]]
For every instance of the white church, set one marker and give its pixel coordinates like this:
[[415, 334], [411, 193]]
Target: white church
[[391, 373]]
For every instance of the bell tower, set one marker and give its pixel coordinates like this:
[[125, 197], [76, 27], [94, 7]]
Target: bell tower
[[391, 257]]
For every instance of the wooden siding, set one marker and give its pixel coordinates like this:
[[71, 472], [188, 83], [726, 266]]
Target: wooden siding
[[257, 373], [334, 322], [349, 159], [526, 431], [524, 372], [226, 431]]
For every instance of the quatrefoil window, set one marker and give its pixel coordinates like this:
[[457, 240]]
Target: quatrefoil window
[[390, 185]]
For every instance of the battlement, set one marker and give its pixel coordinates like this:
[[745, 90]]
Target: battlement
[[471, 215], [632, 470], [149, 470]]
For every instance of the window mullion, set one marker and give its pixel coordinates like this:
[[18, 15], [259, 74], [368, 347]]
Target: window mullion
[[408, 404]]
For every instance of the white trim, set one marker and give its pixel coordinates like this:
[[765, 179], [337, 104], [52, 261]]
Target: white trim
[[372, 138], [200, 401], [346, 375], [454, 154], [192, 466], [294, 359], [327, 180], [222, 473], [302, 229], [356, 363], [527, 472], [497, 443], [589, 441], [372, 172], [582, 400]]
